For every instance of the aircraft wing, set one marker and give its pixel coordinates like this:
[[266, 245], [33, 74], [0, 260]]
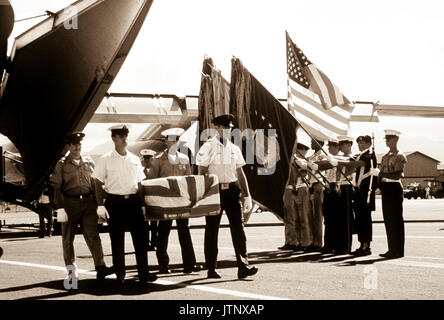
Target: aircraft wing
[[61, 70]]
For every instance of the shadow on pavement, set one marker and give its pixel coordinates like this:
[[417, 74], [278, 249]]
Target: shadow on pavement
[[91, 287]]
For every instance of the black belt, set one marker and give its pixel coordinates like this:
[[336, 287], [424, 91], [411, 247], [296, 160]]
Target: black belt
[[226, 186], [78, 196], [121, 196]]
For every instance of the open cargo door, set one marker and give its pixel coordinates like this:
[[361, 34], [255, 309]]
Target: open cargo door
[[61, 70]]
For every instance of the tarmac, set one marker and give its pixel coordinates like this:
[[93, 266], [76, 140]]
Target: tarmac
[[32, 268]]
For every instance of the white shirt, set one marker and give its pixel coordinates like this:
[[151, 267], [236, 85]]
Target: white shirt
[[221, 160], [119, 174]]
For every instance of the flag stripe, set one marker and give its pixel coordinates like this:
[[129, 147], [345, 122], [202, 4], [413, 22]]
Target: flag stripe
[[312, 102], [311, 126], [318, 84], [328, 119]]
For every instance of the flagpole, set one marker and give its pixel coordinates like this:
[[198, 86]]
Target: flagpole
[[371, 160]]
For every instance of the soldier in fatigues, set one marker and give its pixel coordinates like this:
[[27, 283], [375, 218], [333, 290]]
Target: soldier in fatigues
[[74, 194], [297, 215], [392, 168], [171, 162]]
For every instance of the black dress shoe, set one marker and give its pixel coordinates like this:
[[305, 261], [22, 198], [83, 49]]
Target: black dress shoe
[[120, 281], [213, 274], [245, 272], [195, 268], [103, 271], [164, 270], [362, 252], [149, 278], [391, 255], [325, 250], [310, 248], [297, 248], [286, 247]]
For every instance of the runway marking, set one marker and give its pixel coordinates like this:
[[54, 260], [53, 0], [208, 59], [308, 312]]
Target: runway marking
[[414, 237], [204, 288], [406, 263]]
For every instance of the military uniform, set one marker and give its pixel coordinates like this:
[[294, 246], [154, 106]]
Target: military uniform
[[297, 206], [317, 198], [73, 192], [344, 219], [393, 163], [364, 198], [330, 206], [173, 163], [221, 157], [121, 172]]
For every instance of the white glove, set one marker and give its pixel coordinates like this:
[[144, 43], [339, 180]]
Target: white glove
[[374, 171], [102, 214], [61, 215], [332, 161], [313, 166], [248, 205], [301, 164]]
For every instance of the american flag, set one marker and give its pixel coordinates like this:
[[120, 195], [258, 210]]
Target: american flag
[[313, 99]]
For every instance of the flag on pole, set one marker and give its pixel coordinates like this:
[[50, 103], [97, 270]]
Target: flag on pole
[[214, 94], [317, 104], [274, 134]]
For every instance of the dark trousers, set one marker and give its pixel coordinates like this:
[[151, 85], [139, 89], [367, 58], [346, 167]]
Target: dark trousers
[[229, 200], [392, 197], [363, 218], [329, 209], [344, 220], [127, 213], [186, 244]]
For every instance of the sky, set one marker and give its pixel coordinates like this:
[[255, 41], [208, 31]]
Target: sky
[[388, 51]]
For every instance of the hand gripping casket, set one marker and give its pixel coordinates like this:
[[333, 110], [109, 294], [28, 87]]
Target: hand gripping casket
[[178, 197]]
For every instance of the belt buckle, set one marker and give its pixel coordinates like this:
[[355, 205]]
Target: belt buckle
[[80, 197], [126, 196], [224, 186]]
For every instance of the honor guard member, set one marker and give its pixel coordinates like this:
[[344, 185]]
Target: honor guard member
[[219, 156], [304, 207], [148, 156], [317, 196], [344, 216], [74, 195], [294, 198], [120, 172], [171, 162], [6, 26], [364, 195], [392, 168], [366, 183], [331, 199]]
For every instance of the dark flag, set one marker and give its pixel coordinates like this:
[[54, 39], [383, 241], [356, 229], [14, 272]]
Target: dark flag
[[269, 147], [213, 95]]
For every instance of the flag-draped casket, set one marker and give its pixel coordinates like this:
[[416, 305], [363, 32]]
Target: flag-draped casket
[[178, 197]]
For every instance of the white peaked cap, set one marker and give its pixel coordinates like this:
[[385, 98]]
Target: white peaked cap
[[391, 132], [173, 132], [345, 138]]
